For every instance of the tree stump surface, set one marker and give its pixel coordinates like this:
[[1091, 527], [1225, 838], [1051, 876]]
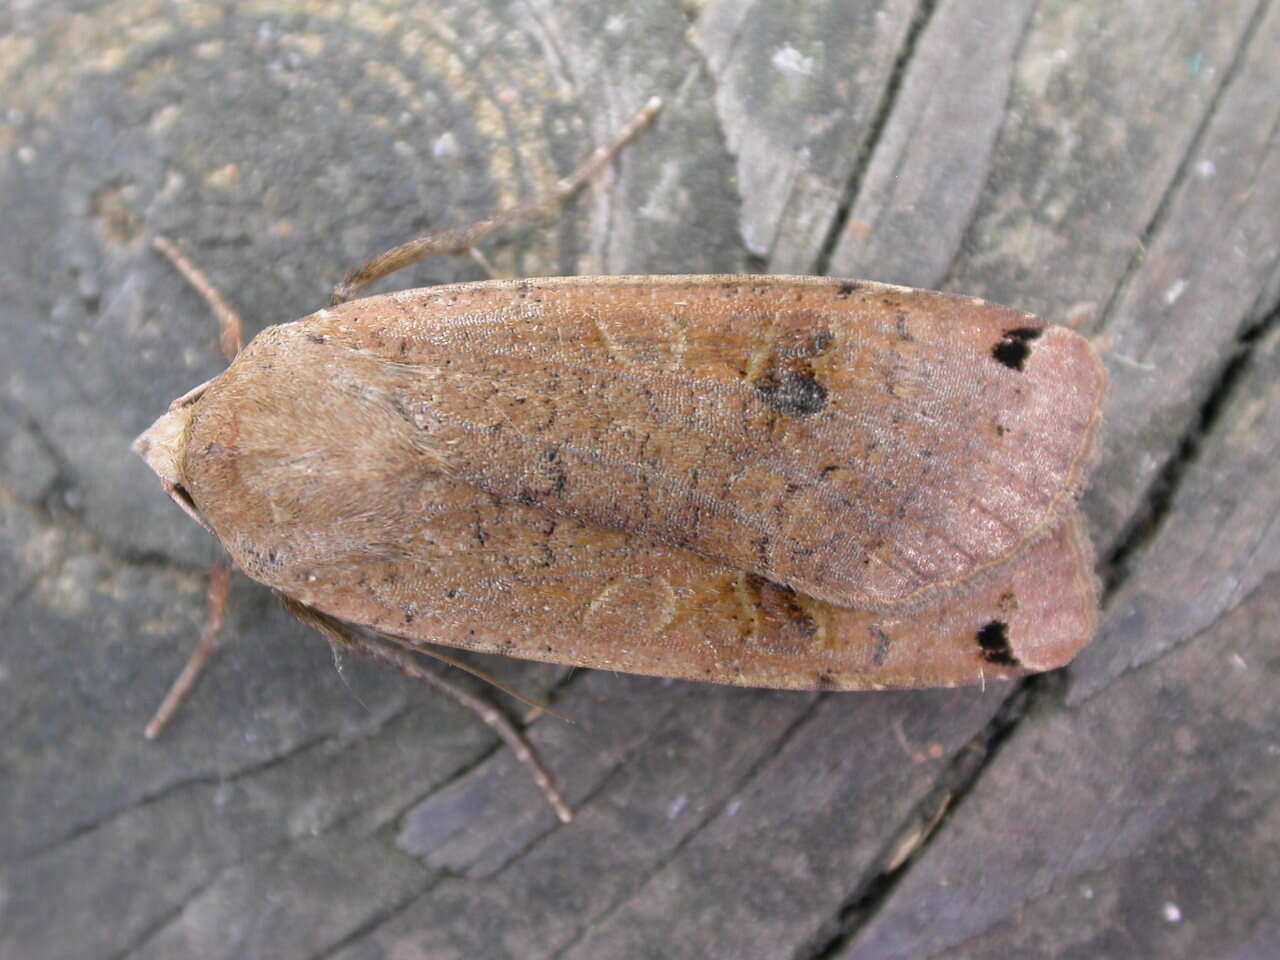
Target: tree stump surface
[[1112, 166]]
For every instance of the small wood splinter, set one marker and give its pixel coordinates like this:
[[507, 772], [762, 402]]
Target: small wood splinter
[[230, 338]]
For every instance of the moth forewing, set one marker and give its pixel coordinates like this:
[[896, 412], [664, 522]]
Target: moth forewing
[[528, 469]]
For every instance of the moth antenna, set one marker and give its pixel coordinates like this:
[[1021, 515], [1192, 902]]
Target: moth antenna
[[378, 648], [230, 327], [185, 682], [458, 239]]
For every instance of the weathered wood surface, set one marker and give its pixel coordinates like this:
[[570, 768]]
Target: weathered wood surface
[[1113, 165]]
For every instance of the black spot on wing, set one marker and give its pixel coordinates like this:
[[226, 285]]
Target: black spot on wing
[[994, 641], [795, 395], [1015, 346]]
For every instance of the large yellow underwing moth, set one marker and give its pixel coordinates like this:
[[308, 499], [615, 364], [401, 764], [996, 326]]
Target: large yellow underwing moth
[[788, 482]]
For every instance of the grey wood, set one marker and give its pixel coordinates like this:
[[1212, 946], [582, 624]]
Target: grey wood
[[925, 177], [1110, 165]]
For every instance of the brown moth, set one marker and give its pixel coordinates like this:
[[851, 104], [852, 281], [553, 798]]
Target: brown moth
[[788, 482]]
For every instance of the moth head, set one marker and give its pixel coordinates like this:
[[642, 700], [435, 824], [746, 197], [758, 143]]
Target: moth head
[[163, 446]]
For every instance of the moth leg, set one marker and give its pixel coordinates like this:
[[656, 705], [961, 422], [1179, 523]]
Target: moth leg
[[340, 635], [460, 238], [216, 612], [230, 338]]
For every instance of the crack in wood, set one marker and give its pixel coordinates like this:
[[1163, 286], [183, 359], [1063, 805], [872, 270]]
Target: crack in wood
[[164, 793], [378, 919], [768, 753], [884, 109], [1156, 505], [932, 812], [163, 920], [1187, 163]]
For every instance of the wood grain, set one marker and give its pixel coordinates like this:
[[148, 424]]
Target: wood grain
[[1119, 173]]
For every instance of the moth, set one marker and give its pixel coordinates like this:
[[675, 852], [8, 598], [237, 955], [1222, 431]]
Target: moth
[[784, 482]]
